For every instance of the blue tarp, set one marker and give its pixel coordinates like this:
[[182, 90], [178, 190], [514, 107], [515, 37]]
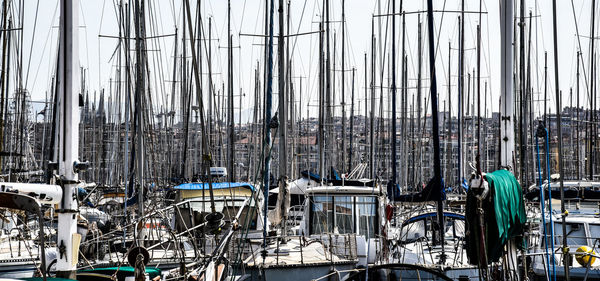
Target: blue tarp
[[215, 185], [313, 176], [334, 174]]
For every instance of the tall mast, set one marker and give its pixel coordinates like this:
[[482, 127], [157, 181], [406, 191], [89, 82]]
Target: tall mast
[[522, 99], [366, 85], [578, 166], [283, 161], [437, 168], [127, 166], [545, 102], [321, 132], [393, 136], [267, 120], [507, 129], [199, 94], [559, 133], [140, 48], [211, 87], [186, 105], [328, 100], [372, 119], [291, 102], [343, 103], [449, 131], [68, 136], [404, 102], [417, 171], [593, 127], [461, 88], [3, 78], [230, 108], [479, 143], [351, 122]]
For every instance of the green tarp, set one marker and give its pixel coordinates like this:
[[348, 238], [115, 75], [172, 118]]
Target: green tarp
[[504, 216]]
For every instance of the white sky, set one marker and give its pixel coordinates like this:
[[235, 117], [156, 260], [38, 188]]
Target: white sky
[[98, 17]]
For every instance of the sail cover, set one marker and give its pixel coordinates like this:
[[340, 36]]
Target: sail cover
[[504, 216]]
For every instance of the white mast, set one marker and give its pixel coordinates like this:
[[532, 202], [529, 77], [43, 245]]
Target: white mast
[[507, 127], [68, 138]]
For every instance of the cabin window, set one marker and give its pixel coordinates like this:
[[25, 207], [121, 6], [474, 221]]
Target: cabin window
[[230, 209], [594, 231], [321, 214], [344, 211], [413, 231], [367, 214], [576, 234], [343, 215], [248, 218]]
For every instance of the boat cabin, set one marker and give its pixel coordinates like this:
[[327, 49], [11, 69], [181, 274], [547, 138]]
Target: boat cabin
[[343, 210], [193, 201]]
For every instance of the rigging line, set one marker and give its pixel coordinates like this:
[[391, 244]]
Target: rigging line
[[43, 51], [87, 53], [585, 80], [99, 29], [37, 7], [298, 29], [156, 56], [437, 40], [242, 18]]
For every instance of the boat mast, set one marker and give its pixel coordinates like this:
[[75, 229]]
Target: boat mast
[[592, 141], [546, 100], [522, 98], [449, 129], [291, 102], [479, 143], [577, 122], [282, 121], [328, 97], [267, 120], [283, 161], [418, 169], [343, 103], [3, 78], [186, 106], [68, 137], [461, 91], [372, 119], [437, 168], [507, 129], [405, 116], [392, 184], [366, 97], [351, 122], [321, 106], [230, 97], [565, 248]]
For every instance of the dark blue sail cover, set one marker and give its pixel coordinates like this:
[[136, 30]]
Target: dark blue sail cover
[[433, 191]]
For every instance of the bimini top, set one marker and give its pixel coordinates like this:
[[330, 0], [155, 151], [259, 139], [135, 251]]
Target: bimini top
[[215, 185]]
